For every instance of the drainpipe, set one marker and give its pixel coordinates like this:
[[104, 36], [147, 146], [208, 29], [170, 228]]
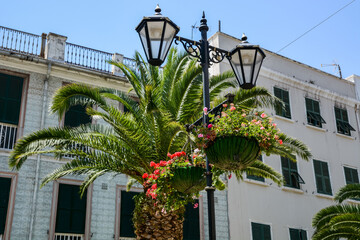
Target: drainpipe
[[42, 123]]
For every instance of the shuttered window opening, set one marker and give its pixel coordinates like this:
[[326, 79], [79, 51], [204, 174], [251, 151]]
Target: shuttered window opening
[[290, 173], [297, 234], [284, 96], [10, 98], [351, 175], [313, 113], [127, 209], [342, 122], [260, 231], [256, 178], [76, 116], [5, 184], [71, 210], [322, 177], [191, 222]]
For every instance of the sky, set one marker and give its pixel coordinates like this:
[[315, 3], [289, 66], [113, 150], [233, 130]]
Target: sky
[[109, 25]]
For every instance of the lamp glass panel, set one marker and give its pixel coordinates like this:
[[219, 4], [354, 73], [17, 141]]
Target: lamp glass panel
[[257, 65], [155, 29], [236, 64], [142, 34], [169, 34], [248, 57]]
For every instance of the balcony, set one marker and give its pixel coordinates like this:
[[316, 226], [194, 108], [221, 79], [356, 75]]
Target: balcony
[[7, 136], [68, 236]]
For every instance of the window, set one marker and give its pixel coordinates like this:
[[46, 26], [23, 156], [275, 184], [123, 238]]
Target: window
[[284, 96], [322, 177], [127, 209], [313, 113], [76, 116], [5, 184], [260, 231], [71, 210], [351, 175], [257, 178], [11, 88], [191, 222], [297, 234], [290, 173], [342, 122]]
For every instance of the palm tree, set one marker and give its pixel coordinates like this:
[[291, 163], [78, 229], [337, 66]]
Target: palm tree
[[166, 99], [341, 220]]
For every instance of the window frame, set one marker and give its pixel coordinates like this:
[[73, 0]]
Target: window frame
[[339, 122], [120, 188], [55, 195], [262, 223], [328, 167], [287, 104], [23, 103], [300, 230], [300, 181], [352, 168], [312, 115], [11, 203]]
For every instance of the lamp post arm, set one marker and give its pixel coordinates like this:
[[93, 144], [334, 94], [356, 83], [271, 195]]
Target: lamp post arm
[[193, 48]]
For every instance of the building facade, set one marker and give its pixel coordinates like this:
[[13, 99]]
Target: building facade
[[32, 68], [322, 111]]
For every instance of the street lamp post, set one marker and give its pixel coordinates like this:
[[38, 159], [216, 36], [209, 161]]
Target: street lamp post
[[157, 33]]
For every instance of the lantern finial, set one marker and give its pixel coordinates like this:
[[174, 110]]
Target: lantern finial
[[244, 38], [157, 10]]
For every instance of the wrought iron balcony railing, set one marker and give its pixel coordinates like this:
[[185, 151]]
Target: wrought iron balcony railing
[[68, 236], [7, 135]]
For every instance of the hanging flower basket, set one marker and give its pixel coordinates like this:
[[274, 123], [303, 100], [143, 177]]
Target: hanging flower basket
[[189, 180], [233, 152]]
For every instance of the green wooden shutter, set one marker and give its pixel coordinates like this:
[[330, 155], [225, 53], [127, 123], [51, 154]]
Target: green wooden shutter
[[260, 231], [5, 184], [322, 177], [288, 168], [297, 234], [76, 116], [10, 98], [71, 210], [303, 235], [284, 96], [126, 215], [191, 223]]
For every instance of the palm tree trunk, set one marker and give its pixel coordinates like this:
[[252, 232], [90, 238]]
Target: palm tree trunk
[[153, 222]]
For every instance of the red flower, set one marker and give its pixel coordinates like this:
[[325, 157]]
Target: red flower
[[230, 176], [154, 186], [210, 126], [196, 205], [169, 155], [157, 171], [163, 163], [280, 142], [145, 175], [152, 164]]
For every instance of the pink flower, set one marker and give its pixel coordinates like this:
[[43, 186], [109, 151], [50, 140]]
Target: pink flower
[[210, 126], [230, 176], [232, 108], [262, 128], [205, 110], [200, 135], [280, 142], [276, 137], [196, 205], [225, 105], [263, 115], [243, 115], [243, 125], [274, 124]]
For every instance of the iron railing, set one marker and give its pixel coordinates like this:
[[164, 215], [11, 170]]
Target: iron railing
[[126, 238], [7, 135], [68, 236], [87, 57], [21, 42]]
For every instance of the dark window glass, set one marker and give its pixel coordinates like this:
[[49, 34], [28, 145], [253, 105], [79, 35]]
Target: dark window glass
[[322, 177], [257, 178], [76, 116], [10, 98], [351, 175], [313, 113], [191, 222], [290, 172], [127, 209], [342, 122], [284, 96], [297, 234], [5, 184], [260, 231], [71, 210]]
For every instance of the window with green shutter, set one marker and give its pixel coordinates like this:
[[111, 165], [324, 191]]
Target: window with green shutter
[[284, 96], [351, 175], [5, 184], [71, 210], [256, 178], [76, 116], [260, 231], [322, 177], [342, 122], [297, 234], [127, 209], [313, 113], [10, 98], [290, 173], [191, 222]]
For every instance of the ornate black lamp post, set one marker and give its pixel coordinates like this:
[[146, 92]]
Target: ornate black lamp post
[[157, 33]]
